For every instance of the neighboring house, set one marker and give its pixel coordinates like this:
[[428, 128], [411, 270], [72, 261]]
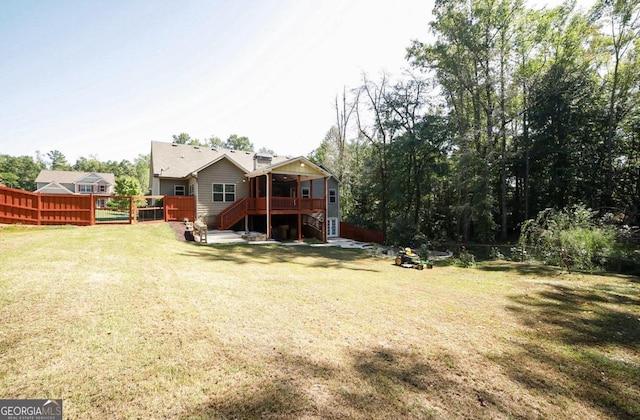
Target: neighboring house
[[70, 182], [286, 198]]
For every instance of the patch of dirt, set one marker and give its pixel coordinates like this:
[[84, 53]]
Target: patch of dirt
[[180, 230]]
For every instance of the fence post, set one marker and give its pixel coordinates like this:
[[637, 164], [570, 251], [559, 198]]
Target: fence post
[[38, 209], [92, 206], [134, 209], [165, 210]]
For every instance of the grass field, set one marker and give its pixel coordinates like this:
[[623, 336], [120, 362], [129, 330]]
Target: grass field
[[127, 322]]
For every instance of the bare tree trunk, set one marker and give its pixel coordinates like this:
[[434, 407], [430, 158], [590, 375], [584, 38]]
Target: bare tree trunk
[[379, 139], [342, 122]]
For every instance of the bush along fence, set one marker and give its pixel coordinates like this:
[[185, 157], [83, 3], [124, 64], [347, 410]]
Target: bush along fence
[[17, 206]]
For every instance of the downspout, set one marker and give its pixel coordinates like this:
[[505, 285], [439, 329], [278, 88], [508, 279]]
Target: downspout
[[195, 197]]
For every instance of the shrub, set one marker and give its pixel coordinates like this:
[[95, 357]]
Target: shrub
[[495, 254], [569, 236], [466, 259], [519, 254]]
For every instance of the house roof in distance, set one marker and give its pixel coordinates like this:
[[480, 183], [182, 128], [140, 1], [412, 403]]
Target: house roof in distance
[[71, 177], [54, 188], [170, 160]]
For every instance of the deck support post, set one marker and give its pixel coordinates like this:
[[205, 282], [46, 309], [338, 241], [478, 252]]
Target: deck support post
[[326, 212], [268, 200]]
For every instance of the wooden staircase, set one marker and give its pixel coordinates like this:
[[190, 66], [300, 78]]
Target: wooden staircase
[[314, 223], [233, 214], [241, 208]]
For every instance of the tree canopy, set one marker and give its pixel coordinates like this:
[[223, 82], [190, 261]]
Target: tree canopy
[[507, 111]]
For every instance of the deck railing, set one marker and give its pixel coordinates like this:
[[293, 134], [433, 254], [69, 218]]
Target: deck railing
[[248, 206]]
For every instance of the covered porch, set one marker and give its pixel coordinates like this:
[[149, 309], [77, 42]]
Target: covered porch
[[291, 194]]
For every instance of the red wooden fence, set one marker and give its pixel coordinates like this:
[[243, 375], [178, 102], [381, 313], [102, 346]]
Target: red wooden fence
[[66, 209], [179, 208], [17, 206], [358, 233]]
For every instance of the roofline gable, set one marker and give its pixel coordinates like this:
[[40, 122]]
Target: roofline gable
[[218, 159], [274, 168], [87, 175], [54, 183]]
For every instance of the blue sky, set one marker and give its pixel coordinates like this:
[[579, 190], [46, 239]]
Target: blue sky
[[107, 77]]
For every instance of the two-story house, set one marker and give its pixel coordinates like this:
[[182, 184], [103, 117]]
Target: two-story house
[[71, 182], [284, 197]]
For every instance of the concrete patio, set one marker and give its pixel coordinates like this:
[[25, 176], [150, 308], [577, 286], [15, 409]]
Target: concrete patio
[[254, 238]]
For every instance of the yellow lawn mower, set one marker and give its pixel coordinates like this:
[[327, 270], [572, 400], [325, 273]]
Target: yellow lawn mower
[[408, 258]]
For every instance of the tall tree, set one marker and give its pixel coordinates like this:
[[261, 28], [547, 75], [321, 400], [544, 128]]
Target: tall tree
[[620, 20], [236, 142], [57, 161], [184, 138], [91, 164], [19, 172], [141, 168], [267, 151], [215, 142], [470, 57], [378, 134], [344, 111]]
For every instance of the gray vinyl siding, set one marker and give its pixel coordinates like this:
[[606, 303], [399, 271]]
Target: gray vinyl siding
[[166, 186], [317, 191], [333, 209], [221, 172]]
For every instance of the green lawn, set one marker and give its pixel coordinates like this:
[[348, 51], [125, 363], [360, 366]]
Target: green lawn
[[127, 322]]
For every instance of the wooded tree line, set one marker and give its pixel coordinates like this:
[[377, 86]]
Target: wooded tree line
[[507, 111]]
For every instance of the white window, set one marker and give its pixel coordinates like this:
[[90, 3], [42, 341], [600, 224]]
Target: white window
[[84, 188], [102, 188], [332, 227], [178, 190], [192, 189], [333, 196], [224, 193], [306, 192]]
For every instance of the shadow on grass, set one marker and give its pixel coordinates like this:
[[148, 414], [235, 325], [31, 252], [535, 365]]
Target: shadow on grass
[[525, 269], [323, 257], [402, 384], [380, 383], [541, 270], [581, 344]]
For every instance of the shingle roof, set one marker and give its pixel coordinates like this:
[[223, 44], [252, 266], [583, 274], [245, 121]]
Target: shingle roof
[[170, 160], [70, 177], [54, 188]]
